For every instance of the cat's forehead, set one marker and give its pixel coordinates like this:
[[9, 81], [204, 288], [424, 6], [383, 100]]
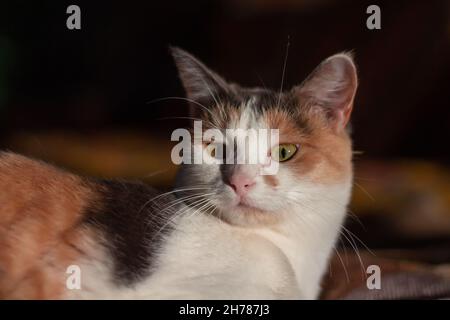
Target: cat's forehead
[[261, 109], [261, 100]]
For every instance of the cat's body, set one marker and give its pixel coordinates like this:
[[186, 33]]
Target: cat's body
[[200, 256], [207, 259], [263, 237]]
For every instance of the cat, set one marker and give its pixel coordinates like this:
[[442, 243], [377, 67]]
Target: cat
[[225, 231]]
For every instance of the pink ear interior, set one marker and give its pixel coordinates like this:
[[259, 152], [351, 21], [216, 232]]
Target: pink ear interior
[[332, 86]]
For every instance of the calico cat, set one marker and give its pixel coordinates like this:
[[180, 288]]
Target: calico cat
[[224, 231]]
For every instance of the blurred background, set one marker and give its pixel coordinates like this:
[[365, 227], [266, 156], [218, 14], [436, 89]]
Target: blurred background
[[85, 100]]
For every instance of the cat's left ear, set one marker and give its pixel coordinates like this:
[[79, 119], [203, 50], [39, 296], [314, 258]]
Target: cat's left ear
[[201, 84], [331, 87]]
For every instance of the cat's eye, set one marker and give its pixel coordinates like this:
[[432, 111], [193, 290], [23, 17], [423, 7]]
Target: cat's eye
[[212, 152], [211, 149], [284, 152]]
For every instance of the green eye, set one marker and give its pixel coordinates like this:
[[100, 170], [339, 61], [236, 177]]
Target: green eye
[[213, 151], [210, 148], [284, 152]]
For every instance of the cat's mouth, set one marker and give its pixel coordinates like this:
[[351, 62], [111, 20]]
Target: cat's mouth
[[246, 205], [245, 211]]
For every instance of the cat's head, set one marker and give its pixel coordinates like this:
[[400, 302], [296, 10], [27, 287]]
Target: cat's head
[[314, 152]]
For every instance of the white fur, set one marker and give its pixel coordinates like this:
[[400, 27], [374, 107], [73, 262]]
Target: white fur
[[205, 258], [209, 259]]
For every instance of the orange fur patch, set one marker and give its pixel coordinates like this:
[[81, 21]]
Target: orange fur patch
[[324, 155], [39, 227], [271, 180]]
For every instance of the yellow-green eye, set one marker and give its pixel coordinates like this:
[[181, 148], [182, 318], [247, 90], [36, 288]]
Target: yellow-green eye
[[284, 152], [210, 148], [215, 150]]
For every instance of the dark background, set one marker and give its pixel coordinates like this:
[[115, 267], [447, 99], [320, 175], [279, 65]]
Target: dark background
[[103, 75], [79, 98]]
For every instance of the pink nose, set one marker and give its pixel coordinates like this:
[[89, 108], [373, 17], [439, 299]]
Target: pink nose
[[241, 183]]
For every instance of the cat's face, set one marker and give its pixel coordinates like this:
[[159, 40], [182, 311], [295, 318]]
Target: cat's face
[[313, 152]]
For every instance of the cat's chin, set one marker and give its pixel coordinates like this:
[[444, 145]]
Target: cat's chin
[[245, 215]]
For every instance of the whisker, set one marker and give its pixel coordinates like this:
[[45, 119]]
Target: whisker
[[178, 214], [360, 241], [155, 173], [355, 248], [283, 73], [343, 265], [187, 198], [165, 194], [364, 190], [210, 92]]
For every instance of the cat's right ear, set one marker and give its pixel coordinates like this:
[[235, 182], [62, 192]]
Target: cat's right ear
[[203, 86], [331, 88]]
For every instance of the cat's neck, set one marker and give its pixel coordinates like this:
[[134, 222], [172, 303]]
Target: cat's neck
[[308, 236]]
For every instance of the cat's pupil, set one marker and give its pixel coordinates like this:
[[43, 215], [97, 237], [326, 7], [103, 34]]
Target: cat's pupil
[[283, 153]]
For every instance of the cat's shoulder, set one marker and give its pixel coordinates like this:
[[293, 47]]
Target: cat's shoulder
[[19, 167], [10, 160], [130, 218]]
